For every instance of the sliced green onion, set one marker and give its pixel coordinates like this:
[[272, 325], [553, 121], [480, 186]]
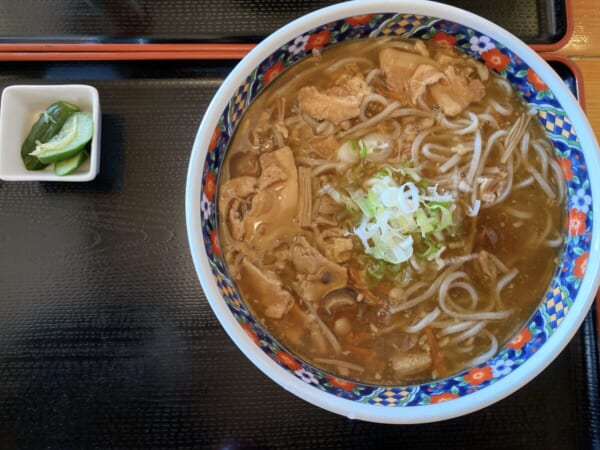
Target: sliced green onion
[[363, 149]]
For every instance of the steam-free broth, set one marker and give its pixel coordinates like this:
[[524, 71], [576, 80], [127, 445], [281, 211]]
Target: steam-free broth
[[391, 210]]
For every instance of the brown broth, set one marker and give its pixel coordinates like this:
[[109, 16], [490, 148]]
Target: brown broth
[[375, 343]]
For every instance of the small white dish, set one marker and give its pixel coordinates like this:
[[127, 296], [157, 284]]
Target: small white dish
[[20, 108]]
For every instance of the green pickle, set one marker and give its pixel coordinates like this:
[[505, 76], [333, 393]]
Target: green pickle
[[70, 165], [70, 140], [48, 125]]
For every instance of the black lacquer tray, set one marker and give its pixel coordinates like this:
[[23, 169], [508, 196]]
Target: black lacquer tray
[[537, 22], [106, 339]]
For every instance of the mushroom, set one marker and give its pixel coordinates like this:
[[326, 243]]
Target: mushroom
[[337, 298]]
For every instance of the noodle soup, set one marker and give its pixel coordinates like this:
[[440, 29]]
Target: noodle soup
[[391, 210]]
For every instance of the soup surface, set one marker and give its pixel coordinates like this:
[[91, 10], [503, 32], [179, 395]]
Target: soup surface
[[391, 210]]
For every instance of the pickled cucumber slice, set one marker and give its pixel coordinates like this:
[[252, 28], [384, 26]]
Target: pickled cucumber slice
[[70, 140], [70, 165], [49, 124]]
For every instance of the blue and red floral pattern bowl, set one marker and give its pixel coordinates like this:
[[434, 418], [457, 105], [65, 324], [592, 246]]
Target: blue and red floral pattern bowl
[[570, 293]]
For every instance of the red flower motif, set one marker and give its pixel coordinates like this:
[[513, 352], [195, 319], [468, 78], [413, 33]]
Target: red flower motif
[[359, 20], [520, 339], [213, 140], [214, 242], [443, 39], [272, 72], [534, 79], [210, 186], [478, 375], [580, 265], [317, 40], [576, 222], [495, 59], [565, 164], [251, 333], [342, 384], [442, 397], [288, 360]]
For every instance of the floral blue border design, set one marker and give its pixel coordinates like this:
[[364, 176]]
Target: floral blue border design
[[569, 274]]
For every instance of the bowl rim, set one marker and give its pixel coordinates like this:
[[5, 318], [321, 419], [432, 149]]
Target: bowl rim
[[349, 408]]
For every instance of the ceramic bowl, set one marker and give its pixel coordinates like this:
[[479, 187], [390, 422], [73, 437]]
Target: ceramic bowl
[[571, 291], [20, 107]]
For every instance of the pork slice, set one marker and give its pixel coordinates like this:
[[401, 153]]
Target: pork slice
[[337, 103], [423, 76], [316, 274], [272, 171], [232, 203], [338, 248], [463, 63], [275, 204], [411, 363], [399, 66], [240, 187], [456, 92], [337, 245], [267, 289]]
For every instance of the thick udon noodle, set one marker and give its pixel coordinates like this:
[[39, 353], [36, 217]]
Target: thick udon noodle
[[298, 196]]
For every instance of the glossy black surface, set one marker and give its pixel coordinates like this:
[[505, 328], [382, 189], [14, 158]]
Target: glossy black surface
[[106, 339], [535, 21]]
